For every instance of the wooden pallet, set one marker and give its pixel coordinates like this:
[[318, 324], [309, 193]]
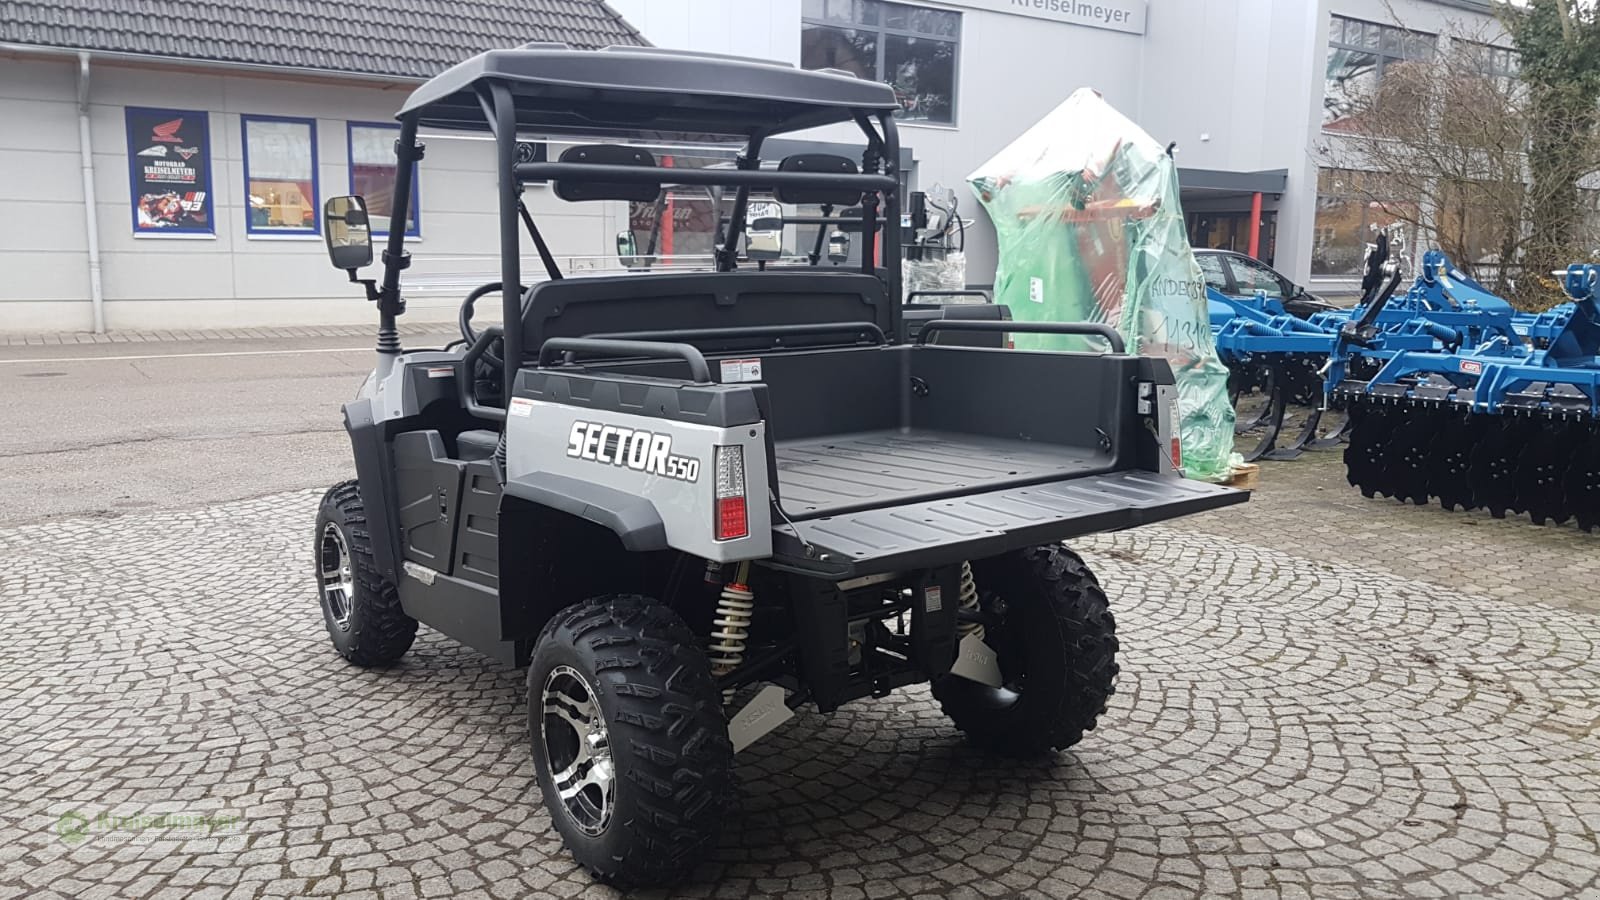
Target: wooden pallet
[[1244, 476]]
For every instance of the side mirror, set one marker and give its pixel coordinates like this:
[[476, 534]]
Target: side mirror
[[838, 247], [347, 232], [628, 251], [763, 239], [627, 248]]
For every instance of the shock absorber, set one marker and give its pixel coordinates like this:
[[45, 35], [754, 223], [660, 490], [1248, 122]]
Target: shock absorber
[[732, 623], [969, 603]]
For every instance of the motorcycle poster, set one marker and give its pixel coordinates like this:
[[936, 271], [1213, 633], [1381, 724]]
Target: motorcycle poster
[[169, 152]]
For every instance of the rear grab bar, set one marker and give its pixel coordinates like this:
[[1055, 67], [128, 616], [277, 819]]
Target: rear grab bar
[[698, 370], [1090, 329], [869, 329]]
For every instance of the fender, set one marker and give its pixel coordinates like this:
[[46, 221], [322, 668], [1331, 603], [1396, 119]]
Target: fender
[[374, 477], [633, 519]]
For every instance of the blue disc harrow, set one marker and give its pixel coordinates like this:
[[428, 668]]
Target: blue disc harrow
[[1499, 414], [1279, 363]]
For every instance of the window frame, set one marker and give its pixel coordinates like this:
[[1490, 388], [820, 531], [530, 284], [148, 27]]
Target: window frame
[[883, 32], [415, 231], [1356, 195], [316, 177], [1384, 58]]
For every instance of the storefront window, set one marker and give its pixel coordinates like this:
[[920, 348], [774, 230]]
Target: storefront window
[[1359, 53], [280, 174], [1351, 207], [372, 172], [912, 48]]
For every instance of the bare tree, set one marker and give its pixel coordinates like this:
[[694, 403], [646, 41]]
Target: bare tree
[[1559, 42], [1445, 138]]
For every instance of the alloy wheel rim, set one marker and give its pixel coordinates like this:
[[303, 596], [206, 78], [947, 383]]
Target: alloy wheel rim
[[335, 576], [578, 749]]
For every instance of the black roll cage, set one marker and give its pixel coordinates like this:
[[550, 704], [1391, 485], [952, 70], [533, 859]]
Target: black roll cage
[[878, 182]]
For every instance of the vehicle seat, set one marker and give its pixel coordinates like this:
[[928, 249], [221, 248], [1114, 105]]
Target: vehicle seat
[[477, 444]]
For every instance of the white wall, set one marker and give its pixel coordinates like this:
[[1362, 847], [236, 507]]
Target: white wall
[[1011, 71], [1232, 83], [232, 279], [762, 29]]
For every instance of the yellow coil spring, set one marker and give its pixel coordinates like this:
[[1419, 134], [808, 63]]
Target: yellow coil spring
[[732, 629], [969, 602]]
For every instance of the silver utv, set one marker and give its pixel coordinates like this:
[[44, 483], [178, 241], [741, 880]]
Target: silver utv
[[691, 503]]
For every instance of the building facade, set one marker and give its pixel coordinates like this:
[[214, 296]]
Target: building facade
[[1247, 89], [176, 169], [176, 181]]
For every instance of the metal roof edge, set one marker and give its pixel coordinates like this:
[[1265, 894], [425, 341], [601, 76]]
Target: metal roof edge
[[194, 62]]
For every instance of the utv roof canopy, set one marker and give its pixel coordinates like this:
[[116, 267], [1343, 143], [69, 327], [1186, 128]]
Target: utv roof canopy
[[644, 92]]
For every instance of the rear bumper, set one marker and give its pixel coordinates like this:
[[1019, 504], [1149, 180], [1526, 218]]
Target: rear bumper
[[939, 532]]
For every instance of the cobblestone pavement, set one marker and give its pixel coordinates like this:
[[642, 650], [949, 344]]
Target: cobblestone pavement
[[1369, 724]]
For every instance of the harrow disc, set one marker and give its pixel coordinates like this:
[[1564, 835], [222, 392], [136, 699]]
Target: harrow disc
[[1541, 477], [1583, 477], [1493, 466], [1372, 427], [1408, 457], [1451, 457]]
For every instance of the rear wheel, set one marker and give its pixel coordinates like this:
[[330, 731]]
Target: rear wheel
[[1051, 628], [629, 740], [359, 606]]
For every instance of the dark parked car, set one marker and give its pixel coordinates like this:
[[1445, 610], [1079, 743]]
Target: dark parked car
[[1238, 275]]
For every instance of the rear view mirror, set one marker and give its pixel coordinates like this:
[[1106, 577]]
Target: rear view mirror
[[347, 232], [763, 238], [628, 251], [627, 248], [838, 247]]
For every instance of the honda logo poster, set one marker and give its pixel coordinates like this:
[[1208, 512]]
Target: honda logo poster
[[169, 152]]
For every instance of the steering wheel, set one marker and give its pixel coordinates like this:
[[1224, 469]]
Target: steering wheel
[[490, 354]]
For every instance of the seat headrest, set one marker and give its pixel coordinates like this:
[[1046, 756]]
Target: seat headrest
[[818, 163], [607, 155]]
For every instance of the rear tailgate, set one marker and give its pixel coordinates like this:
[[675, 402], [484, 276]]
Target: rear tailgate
[[981, 525]]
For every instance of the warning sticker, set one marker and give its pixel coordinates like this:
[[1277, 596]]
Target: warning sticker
[[932, 599], [443, 372], [1036, 290], [521, 407], [1472, 367], [735, 371]]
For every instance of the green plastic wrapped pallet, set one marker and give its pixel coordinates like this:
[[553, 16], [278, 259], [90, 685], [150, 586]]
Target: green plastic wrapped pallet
[[1086, 207]]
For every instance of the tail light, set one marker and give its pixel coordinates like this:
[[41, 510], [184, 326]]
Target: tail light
[[733, 520], [1177, 446]]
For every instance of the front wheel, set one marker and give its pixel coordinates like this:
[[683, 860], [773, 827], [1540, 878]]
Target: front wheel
[[629, 741], [359, 606], [1051, 628]]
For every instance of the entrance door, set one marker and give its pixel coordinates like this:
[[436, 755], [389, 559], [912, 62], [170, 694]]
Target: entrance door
[[1231, 231]]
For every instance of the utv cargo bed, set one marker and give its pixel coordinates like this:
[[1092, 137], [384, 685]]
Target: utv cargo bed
[[906, 537], [845, 473]]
